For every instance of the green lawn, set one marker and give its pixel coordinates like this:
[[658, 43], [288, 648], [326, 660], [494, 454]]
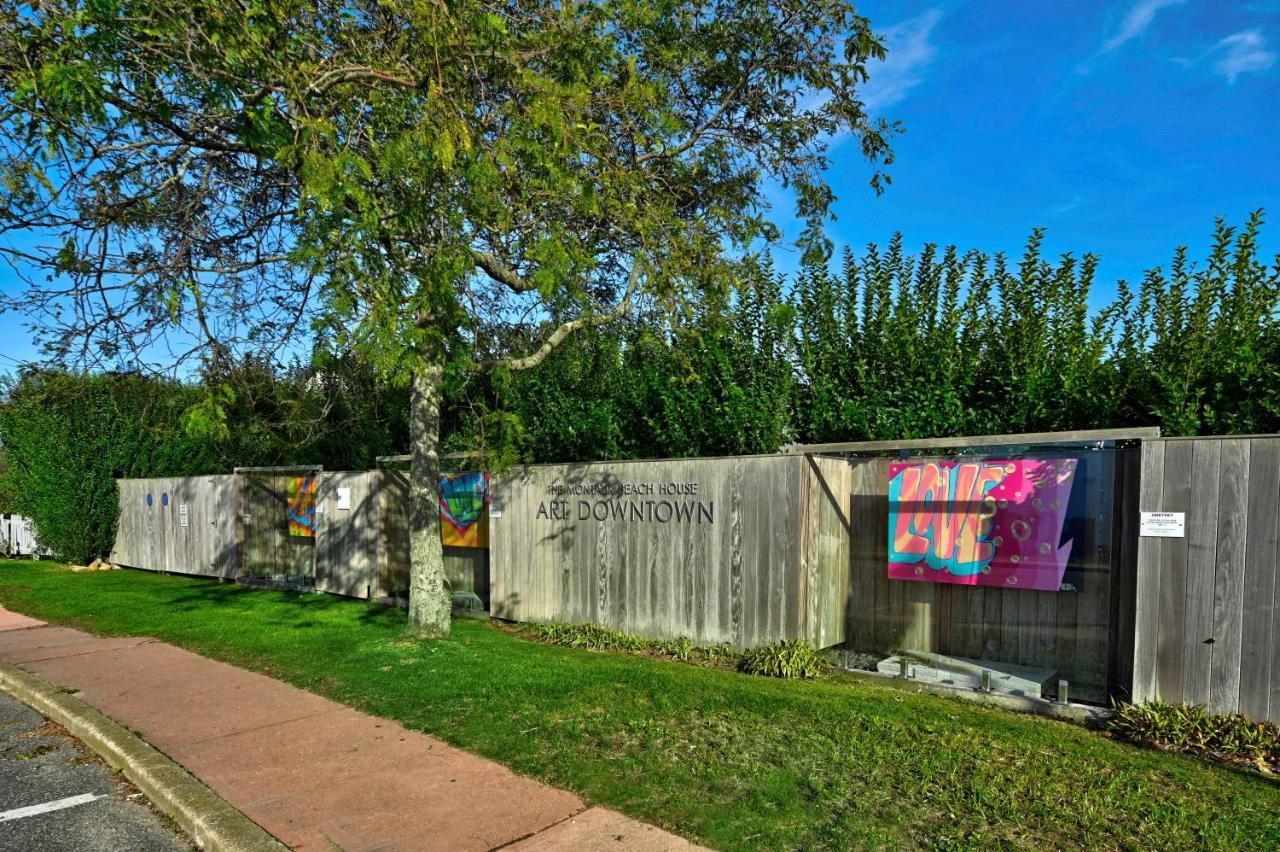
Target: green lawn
[[733, 761]]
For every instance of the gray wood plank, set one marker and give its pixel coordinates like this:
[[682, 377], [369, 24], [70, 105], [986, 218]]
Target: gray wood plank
[[1012, 622], [1077, 436], [861, 619], [1258, 628], [1098, 632], [887, 617], [808, 528], [736, 567], [1124, 538], [1079, 655], [1273, 705], [1228, 585], [975, 627], [1170, 626], [1202, 551], [1147, 585]]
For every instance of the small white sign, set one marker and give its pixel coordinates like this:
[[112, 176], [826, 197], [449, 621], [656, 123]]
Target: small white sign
[[344, 499], [182, 514], [1163, 524]]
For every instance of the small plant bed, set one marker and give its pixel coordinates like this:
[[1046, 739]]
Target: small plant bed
[[787, 659], [790, 659], [594, 637], [1192, 729], [731, 761]]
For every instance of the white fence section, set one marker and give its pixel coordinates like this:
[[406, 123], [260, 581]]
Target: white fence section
[[17, 538]]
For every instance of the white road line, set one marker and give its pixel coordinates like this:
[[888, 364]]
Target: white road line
[[47, 807]]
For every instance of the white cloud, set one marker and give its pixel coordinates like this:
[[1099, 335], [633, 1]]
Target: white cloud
[[910, 53], [1136, 22], [1075, 203], [1242, 53]]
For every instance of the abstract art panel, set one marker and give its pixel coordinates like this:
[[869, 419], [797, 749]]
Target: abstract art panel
[[302, 506], [464, 509]]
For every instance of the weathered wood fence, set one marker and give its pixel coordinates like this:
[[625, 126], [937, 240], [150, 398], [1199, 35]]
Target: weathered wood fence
[[748, 550], [739, 550], [235, 526], [467, 569], [156, 532], [1206, 603]]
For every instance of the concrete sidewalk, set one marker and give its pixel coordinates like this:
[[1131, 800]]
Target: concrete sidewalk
[[314, 773]]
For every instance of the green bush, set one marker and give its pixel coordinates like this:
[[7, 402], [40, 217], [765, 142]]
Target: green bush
[[679, 649], [787, 658], [1193, 729], [67, 436], [948, 342], [596, 637], [590, 636], [890, 345]]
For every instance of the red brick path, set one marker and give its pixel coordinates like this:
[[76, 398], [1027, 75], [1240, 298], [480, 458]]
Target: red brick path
[[314, 773]]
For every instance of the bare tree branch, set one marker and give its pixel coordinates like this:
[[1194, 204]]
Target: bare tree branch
[[492, 266], [562, 331], [701, 129]]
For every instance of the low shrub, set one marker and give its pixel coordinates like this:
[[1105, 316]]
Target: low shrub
[[591, 636], [788, 658], [596, 637], [1193, 729], [680, 649]]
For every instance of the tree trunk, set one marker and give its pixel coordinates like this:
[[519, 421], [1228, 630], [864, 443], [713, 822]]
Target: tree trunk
[[430, 602]]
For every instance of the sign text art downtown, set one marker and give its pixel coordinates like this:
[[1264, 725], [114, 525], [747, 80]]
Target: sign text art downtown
[[741, 550], [630, 502]]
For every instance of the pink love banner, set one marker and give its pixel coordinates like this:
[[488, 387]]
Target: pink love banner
[[988, 522]]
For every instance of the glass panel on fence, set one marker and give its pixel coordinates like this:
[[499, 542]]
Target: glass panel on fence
[[990, 570], [280, 529]]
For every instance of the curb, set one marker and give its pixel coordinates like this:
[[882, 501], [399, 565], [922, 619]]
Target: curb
[[204, 815]]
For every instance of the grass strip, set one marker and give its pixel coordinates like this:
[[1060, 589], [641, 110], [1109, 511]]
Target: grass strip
[[732, 761]]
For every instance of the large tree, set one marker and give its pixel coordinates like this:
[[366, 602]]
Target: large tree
[[410, 178]]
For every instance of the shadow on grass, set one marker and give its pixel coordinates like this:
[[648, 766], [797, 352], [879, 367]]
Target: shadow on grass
[[203, 594]]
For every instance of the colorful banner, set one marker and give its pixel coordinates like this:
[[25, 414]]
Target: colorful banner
[[980, 523], [302, 506], [464, 509]]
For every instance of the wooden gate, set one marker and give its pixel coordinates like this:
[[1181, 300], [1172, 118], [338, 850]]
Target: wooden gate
[[278, 512]]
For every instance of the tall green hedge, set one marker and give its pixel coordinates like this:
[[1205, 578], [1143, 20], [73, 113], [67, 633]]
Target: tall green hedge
[[894, 346], [883, 344], [66, 435]]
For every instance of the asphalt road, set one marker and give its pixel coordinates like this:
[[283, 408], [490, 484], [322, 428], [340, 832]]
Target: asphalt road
[[56, 794]]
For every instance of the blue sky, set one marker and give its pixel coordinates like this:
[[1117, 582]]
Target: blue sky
[[1124, 128]]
